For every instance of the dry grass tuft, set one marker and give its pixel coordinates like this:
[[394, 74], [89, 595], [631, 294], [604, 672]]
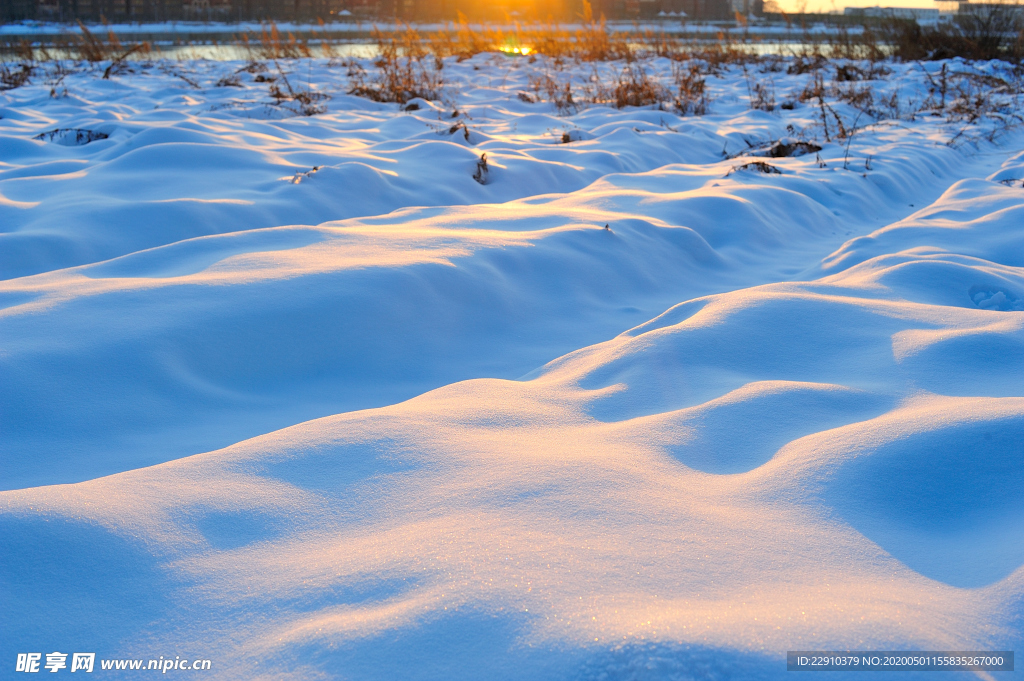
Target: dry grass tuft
[[692, 97], [559, 93], [591, 42], [11, 78], [92, 48], [272, 46], [482, 172], [307, 102], [756, 166], [760, 94], [636, 88], [790, 148], [405, 70]]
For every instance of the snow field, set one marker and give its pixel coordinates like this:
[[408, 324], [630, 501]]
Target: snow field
[[758, 413]]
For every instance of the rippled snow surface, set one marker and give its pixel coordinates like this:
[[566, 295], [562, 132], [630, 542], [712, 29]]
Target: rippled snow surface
[[299, 395]]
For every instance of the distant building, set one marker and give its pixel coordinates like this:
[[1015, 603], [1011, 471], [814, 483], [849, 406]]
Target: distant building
[[1001, 9], [188, 10], [946, 10], [310, 10], [748, 8], [697, 10], [918, 14]]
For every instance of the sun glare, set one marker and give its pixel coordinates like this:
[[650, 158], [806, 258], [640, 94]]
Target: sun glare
[[517, 50]]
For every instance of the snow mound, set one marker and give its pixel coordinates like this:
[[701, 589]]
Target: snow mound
[[942, 496]]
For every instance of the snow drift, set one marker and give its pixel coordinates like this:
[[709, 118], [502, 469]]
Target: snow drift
[[618, 413]]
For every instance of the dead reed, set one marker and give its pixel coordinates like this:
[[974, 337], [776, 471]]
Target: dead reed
[[16, 76], [405, 70], [633, 86], [272, 46], [88, 46]]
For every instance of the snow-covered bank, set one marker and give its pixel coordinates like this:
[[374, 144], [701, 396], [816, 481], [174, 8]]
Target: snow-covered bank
[[348, 24], [758, 412]]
